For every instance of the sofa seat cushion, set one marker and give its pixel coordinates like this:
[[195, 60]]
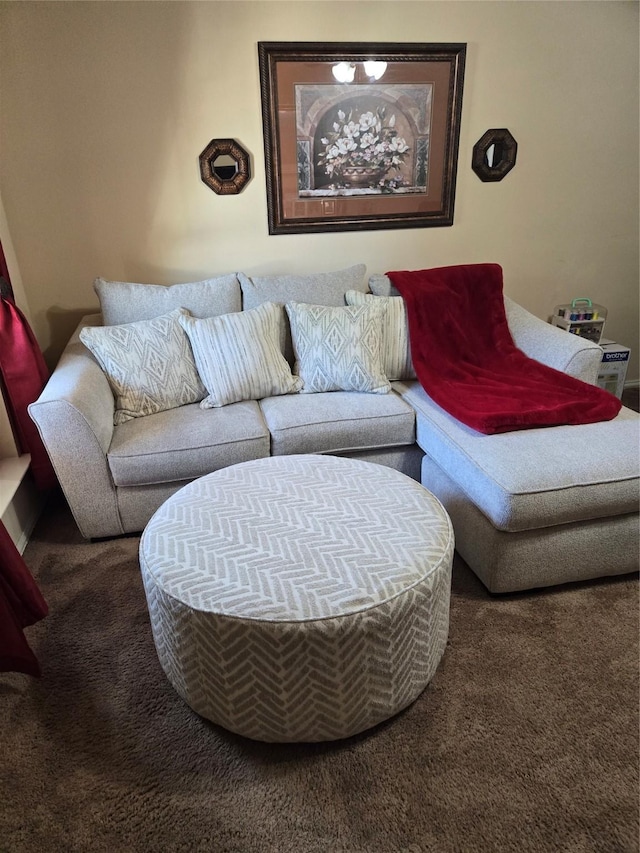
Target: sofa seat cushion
[[184, 443], [337, 422], [534, 478]]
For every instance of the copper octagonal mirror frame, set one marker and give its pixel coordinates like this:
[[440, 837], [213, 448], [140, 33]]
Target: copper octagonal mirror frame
[[224, 166], [494, 154]]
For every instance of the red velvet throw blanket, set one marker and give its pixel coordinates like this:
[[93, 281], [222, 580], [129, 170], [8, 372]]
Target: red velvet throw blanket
[[466, 360]]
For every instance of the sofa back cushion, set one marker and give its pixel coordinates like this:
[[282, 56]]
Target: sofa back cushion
[[380, 285], [128, 302], [324, 288]]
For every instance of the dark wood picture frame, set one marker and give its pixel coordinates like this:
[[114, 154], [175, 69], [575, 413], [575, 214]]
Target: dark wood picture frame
[[352, 146]]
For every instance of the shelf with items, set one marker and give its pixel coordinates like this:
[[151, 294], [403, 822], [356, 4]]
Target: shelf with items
[[581, 317]]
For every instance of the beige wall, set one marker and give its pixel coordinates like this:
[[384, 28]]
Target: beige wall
[[106, 107]]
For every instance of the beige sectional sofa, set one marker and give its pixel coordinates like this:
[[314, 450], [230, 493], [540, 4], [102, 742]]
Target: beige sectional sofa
[[545, 519]]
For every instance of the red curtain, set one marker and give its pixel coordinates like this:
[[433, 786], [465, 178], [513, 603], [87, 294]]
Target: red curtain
[[23, 374], [4, 273], [21, 604]]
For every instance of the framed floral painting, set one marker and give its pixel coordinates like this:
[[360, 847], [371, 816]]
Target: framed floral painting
[[360, 136]]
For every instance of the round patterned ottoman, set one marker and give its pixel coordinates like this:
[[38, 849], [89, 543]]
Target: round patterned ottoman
[[299, 598]]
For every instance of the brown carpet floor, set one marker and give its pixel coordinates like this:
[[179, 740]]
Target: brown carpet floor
[[525, 740]]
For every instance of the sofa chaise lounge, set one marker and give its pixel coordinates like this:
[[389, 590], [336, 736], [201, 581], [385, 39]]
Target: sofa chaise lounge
[[530, 508]]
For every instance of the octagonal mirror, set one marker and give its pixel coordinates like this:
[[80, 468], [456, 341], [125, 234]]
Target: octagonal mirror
[[494, 155], [224, 166]]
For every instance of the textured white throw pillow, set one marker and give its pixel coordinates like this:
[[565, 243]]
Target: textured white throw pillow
[[396, 350], [338, 349], [149, 365], [238, 355]]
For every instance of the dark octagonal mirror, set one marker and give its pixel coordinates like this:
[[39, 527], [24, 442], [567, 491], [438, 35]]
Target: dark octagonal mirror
[[494, 155], [224, 166]]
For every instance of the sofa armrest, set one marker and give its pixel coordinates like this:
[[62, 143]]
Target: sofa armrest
[[554, 347], [74, 416]]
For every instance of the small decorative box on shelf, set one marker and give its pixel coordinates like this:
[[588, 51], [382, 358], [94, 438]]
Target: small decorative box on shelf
[[613, 370], [581, 317]]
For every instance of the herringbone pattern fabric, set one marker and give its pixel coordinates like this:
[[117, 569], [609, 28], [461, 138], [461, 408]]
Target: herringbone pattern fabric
[[299, 598]]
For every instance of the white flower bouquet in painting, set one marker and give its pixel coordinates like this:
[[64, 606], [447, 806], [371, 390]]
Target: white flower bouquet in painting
[[362, 149]]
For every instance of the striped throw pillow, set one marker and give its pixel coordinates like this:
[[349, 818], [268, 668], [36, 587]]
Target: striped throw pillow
[[396, 349], [238, 355]]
